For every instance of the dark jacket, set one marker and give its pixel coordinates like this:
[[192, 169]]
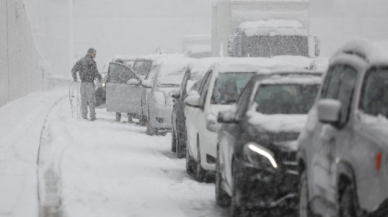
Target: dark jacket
[[87, 69]]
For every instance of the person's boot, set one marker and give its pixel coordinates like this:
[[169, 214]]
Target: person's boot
[[93, 119], [118, 116]]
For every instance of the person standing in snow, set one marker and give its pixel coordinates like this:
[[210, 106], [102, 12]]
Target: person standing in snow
[[88, 72]]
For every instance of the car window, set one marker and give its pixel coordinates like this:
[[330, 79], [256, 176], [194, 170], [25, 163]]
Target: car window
[[119, 73], [142, 67], [183, 91], [205, 88], [330, 88], [228, 86], [346, 89], [374, 97], [244, 100]]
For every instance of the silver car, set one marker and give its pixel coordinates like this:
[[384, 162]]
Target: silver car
[[343, 154]]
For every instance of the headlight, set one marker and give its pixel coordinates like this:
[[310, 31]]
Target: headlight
[[103, 84], [160, 98], [258, 155]]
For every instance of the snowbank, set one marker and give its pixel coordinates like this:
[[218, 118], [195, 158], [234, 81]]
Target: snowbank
[[22, 121]]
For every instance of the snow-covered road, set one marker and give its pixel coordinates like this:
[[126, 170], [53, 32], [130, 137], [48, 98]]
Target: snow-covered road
[[114, 169]]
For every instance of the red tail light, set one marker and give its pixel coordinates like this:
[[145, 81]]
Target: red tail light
[[378, 160]]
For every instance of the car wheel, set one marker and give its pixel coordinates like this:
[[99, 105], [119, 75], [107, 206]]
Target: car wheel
[[190, 163], [222, 198], [173, 141], [303, 207], [348, 201], [150, 131], [237, 209], [200, 173], [180, 150]]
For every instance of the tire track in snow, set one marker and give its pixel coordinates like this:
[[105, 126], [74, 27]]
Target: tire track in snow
[[48, 173]]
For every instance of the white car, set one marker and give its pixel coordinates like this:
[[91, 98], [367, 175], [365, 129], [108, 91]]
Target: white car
[[219, 90], [159, 104]]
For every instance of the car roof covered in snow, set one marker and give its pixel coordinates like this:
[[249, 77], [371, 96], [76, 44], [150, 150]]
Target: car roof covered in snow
[[292, 79], [301, 62], [257, 64], [157, 56], [368, 52]]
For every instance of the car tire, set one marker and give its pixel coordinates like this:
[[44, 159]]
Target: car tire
[[222, 198], [150, 130], [349, 206], [303, 207], [173, 141], [190, 163], [180, 150], [200, 173]]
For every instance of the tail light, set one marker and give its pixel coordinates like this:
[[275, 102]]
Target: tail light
[[378, 160]]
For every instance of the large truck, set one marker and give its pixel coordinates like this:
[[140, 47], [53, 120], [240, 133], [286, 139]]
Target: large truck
[[262, 29]]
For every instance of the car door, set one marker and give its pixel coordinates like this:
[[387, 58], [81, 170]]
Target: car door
[[231, 133], [339, 85], [120, 96], [192, 113]]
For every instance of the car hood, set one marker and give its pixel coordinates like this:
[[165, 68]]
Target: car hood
[[377, 131], [375, 128], [215, 109], [277, 123]]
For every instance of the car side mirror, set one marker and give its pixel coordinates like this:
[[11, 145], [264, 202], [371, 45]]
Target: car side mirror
[[329, 111], [211, 123], [174, 94], [193, 100], [227, 117], [133, 81], [147, 83]]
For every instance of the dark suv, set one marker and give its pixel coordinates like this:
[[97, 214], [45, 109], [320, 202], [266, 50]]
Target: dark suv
[[343, 154], [256, 166]]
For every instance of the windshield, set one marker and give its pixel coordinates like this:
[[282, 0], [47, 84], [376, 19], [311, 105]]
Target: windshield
[[142, 67], [374, 100], [228, 87], [285, 98]]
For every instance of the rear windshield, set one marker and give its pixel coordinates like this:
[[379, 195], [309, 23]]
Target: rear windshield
[[374, 100], [228, 87], [285, 98], [142, 67]]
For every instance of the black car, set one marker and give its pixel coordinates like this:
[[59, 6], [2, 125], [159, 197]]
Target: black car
[[190, 82], [256, 166]]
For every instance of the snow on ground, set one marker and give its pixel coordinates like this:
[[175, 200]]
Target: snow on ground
[[21, 125], [112, 169]]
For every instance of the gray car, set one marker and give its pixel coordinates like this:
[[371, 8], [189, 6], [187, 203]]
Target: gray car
[[344, 146]]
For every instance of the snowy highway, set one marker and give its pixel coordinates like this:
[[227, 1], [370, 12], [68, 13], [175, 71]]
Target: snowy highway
[[114, 169]]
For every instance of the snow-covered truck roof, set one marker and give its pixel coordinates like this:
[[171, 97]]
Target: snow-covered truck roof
[[250, 64], [273, 27]]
